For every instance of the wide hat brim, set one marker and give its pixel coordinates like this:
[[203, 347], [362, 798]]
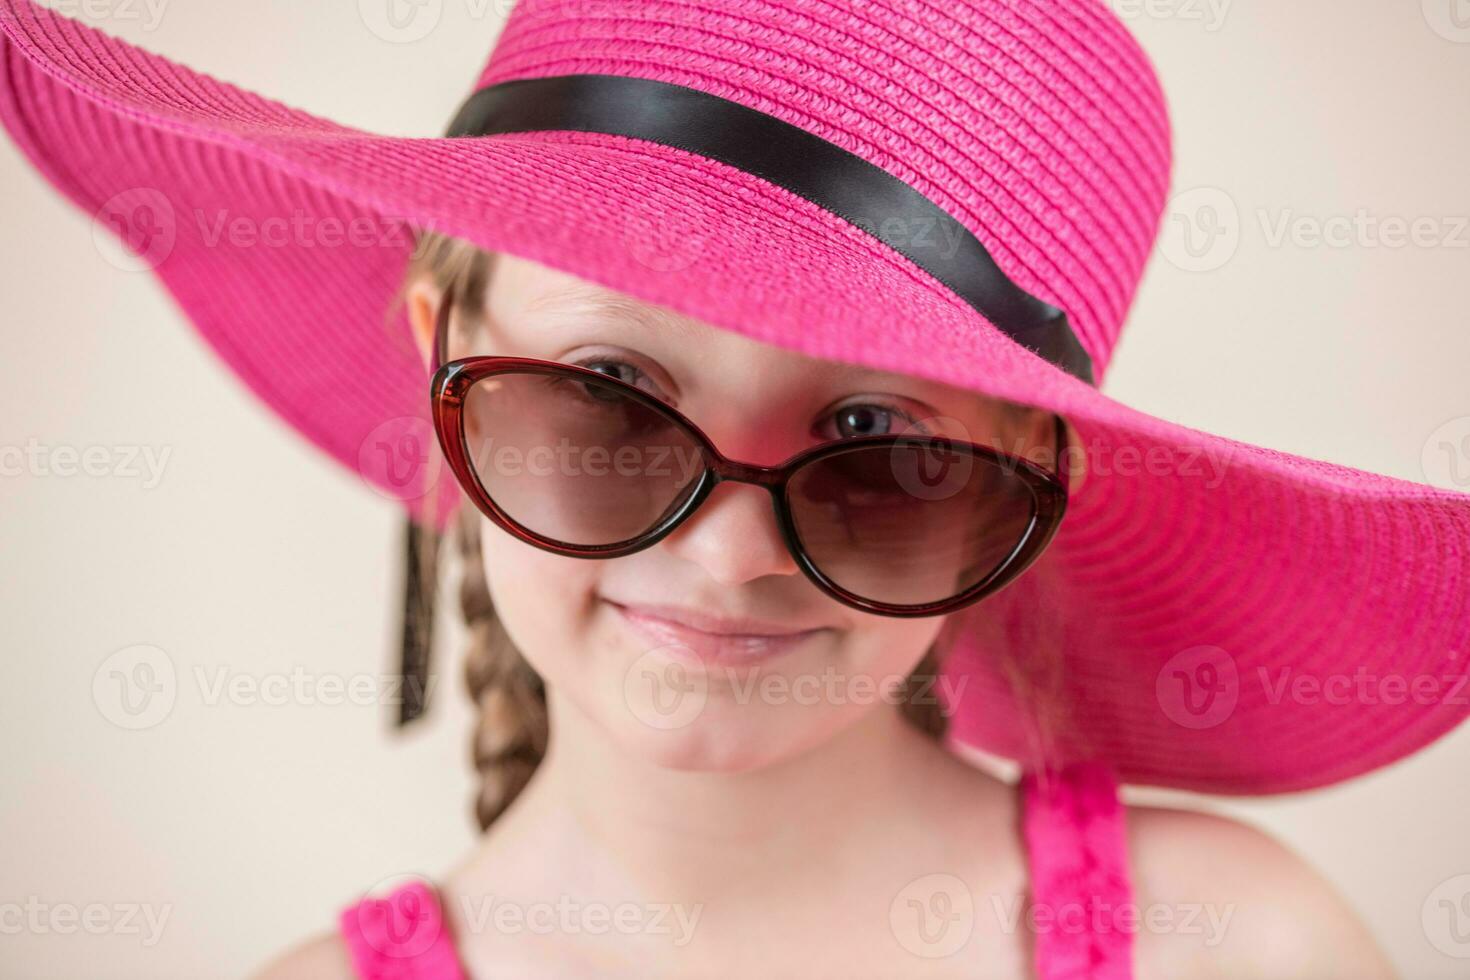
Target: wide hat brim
[[1220, 616]]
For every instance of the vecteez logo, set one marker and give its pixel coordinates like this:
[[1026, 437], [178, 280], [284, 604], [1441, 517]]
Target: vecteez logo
[[1199, 687]]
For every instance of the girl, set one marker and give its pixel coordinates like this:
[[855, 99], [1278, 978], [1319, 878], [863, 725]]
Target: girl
[[762, 344], [778, 833]]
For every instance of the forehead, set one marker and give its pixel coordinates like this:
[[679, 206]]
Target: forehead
[[529, 302], [532, 304], [536, 310]]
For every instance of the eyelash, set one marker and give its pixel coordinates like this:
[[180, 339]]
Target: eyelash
[[911, 423]]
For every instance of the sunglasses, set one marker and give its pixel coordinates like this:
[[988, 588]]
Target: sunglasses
[[581, 464]]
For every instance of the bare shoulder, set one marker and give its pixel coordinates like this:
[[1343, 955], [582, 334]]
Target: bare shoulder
[[322, 957], [1218, 897]]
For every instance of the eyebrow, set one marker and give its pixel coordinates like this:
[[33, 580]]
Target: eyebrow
[[590, 301]]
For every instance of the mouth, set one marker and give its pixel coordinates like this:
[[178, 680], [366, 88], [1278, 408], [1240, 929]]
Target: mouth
[[713, 639]]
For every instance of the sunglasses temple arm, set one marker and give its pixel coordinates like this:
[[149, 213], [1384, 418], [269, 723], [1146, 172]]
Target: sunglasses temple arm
[[441, 331]]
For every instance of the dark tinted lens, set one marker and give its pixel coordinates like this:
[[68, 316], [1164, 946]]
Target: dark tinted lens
[[576, 459], [909, 524]]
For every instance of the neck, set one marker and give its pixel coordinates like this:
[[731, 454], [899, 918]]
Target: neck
[[592, 801]]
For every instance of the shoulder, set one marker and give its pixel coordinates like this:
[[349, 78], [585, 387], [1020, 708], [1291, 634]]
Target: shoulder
[[1219, 896], [323, 957]]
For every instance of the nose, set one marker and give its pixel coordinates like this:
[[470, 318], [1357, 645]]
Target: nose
[[734, 536]]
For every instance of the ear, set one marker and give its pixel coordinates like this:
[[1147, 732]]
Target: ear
[[423, 300]]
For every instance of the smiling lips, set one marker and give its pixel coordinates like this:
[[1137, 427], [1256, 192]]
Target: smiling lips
[[714, 639]]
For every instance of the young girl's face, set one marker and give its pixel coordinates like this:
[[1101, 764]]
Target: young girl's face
[[711, 650]]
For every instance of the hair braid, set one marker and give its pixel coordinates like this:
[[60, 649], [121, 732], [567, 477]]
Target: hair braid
[[510, 738]]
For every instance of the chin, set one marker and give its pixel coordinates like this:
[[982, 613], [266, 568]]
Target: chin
[[725, 736]]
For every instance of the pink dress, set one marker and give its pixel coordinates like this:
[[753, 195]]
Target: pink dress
[[1073, 827]]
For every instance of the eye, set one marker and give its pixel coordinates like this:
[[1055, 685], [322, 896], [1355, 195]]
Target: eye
[[623, 371], [600, 404], [869, 419]]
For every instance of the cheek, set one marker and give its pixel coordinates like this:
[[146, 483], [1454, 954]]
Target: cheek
[[544, 600], [551, 610], [886, 650]]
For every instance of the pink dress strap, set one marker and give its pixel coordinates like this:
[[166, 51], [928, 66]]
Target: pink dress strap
[[401, 937], [1082, 910]]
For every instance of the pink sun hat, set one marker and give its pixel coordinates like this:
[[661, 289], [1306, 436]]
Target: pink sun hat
[[1195, 582]]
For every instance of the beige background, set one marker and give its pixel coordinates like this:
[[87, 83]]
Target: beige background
[[250, 823]]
